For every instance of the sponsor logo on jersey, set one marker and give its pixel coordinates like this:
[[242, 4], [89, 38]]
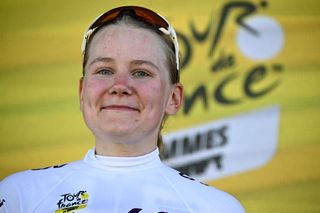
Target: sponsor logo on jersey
[[138, 210], [70, 202], [54, 167], [2, 202]]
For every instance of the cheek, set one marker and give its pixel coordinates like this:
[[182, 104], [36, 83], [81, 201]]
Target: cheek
[[154, 95], [92, 90]]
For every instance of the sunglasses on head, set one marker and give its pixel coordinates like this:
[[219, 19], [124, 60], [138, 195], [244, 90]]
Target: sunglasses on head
[[142, 14]]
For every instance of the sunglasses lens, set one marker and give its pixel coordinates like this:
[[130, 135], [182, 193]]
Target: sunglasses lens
[[151, 18], [107, 17], [142, 14]]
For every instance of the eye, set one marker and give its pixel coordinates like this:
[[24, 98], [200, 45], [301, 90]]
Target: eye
[[104, 71], [141, 74]]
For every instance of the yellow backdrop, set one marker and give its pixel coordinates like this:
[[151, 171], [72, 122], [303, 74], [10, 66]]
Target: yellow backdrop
[[40, 67]]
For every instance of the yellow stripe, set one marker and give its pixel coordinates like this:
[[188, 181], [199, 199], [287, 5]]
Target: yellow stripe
[[73, 208]]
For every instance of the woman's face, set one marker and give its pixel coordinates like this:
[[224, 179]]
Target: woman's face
[[126, 89]]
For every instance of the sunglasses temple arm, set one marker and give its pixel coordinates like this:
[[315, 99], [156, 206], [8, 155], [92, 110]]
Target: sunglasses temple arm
[[172, 33]]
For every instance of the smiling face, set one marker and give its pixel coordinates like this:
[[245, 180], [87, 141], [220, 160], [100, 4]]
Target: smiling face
[[126, 90]]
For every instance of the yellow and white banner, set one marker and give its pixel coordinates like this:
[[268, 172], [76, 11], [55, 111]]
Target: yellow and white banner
[[226, 147]]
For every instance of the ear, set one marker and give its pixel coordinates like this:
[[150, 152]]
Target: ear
[[81, 92], [175, 100]]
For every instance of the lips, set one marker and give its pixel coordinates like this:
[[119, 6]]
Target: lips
[[119, 108]]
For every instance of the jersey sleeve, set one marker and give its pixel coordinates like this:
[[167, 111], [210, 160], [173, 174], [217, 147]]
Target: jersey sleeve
[[24, 191], [9, 196], [227, 203], [199, 197]]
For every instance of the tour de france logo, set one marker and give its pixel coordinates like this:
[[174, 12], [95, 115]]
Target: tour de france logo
[[71, 202], [248, 62]]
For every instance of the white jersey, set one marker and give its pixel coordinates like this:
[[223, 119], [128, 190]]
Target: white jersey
[[111, 185]]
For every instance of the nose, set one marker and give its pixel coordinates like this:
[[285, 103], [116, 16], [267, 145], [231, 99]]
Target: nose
[[120, 85]]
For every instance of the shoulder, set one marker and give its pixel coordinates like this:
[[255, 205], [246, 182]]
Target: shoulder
[[202, 197], [40, 175], [45, 173], [28, 185]]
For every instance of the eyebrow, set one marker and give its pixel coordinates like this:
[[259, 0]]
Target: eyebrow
[[101, 59], [134, 62], [140, 62]]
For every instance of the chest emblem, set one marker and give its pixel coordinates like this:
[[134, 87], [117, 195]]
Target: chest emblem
[[71, 202]]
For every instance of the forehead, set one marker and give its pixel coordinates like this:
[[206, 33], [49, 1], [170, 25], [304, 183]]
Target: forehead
[[128, 43]]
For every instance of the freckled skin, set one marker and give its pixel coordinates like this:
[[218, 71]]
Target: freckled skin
[[126, 90]]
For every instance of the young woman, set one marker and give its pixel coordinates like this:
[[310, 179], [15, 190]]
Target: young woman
[[130, 85]]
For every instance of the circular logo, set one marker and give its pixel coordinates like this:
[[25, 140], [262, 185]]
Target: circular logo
[[266, 43]]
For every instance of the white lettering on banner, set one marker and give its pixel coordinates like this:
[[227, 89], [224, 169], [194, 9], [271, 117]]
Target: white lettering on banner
[[225, 147]]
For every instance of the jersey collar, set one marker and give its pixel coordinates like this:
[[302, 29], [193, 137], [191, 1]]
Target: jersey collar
[[147, 161]]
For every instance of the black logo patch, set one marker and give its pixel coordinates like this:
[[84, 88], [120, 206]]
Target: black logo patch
[[54, 167], [2, 202]]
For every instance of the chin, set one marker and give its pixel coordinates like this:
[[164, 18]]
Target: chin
[[118, 130]]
